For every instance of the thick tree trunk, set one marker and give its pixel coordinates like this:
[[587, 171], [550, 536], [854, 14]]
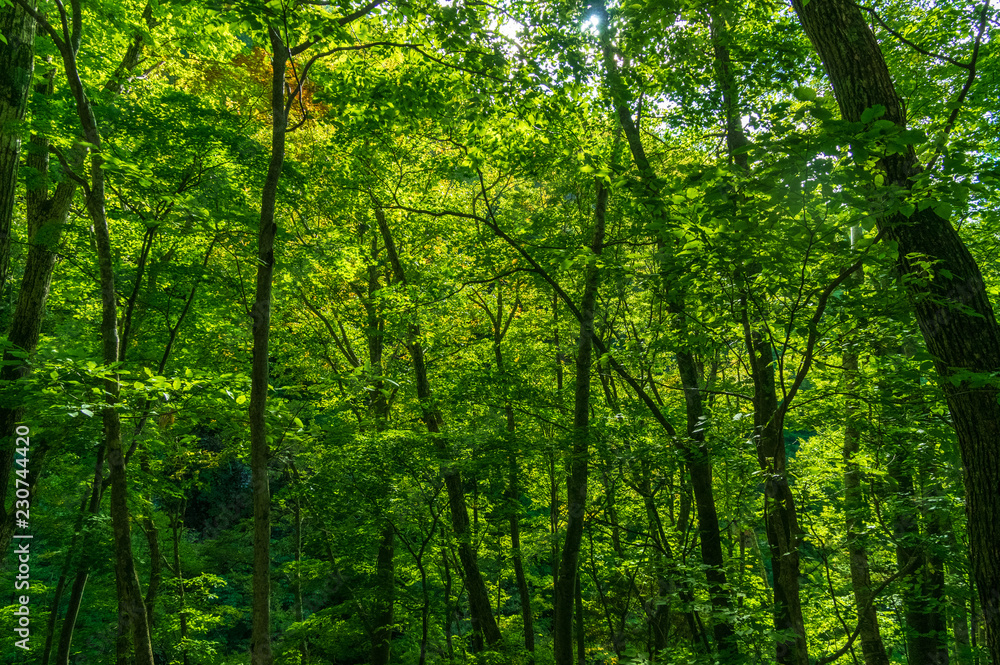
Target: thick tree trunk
[[950, 302], [576, 484], [17, 59]]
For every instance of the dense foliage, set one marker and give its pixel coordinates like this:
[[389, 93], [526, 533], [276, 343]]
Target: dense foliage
[[523, 332]]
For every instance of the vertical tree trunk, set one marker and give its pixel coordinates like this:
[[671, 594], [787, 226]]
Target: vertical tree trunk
[[177, 528], [581, 636], [299, 615], [523, 593], [576, 484], [260, 641], [872, 647], [951, 304], [923, 591], [513, 494], [385, 586], [781, 521], [17, 59], [385, 571]]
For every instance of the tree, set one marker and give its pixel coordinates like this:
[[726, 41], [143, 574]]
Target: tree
[[950, 299]]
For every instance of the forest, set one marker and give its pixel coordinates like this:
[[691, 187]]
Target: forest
[[529, 332]]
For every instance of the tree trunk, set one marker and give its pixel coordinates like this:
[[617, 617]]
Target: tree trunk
[[872, 646], [513, 495], [260, 641], [484, 625], [922, 601], [79, 581], [385, 584], [177, 528], [951, 304], [698, 456], [132, 621], [17, 59], [781, 521], [524, 594], [46, 217], [576, 484]]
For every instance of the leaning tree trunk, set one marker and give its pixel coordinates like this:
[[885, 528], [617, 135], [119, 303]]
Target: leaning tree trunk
[[484, 625], [696, 454], [951, 304], [46, 216]]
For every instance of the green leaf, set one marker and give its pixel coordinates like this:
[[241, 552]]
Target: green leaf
[[873, 112], [804, 94]]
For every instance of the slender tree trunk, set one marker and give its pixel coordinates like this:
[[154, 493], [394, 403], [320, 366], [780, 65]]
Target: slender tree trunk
[[781, 521], [260, 641], [524, 594], [299, 615], [448, 610], [132, 621], [501, 322], [923, 620], [872, 646], [697, 456], [46, 217], [385, 587], [951, 304], [177, 528], [385, 571], [581, 636], [576, 484], [484, 626]]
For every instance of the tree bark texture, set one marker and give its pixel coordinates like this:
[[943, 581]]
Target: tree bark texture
[[17, 59], [950, 300]]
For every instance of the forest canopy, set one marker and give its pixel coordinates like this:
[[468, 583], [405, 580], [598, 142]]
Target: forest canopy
[[499, 332]]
